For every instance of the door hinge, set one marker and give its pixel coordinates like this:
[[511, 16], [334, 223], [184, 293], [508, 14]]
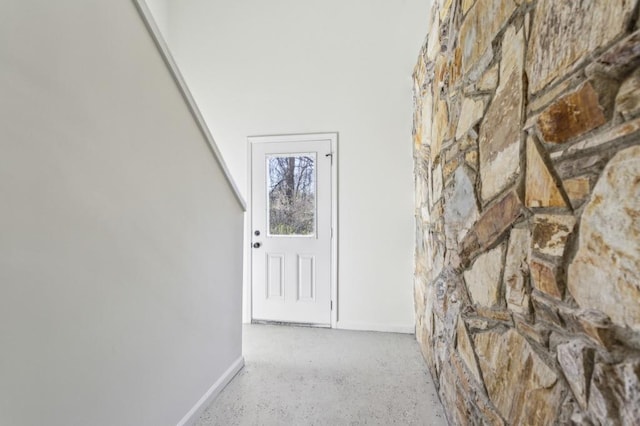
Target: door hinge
[[331, 232], [332, 305]]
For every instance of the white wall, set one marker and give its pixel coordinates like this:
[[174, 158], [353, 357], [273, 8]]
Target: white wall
[[160, 11], [293, 66], [120, 240]]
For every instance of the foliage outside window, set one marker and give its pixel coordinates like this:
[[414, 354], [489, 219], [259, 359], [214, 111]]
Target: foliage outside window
[[292, 192]]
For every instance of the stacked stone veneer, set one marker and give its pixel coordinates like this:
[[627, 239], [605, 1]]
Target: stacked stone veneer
[[527, 165]]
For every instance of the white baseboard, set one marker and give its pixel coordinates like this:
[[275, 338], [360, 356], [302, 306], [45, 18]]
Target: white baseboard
[[387, 328], [194, 414]]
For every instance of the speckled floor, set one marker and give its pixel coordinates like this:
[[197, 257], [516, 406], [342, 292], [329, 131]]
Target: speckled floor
[[309, 376]]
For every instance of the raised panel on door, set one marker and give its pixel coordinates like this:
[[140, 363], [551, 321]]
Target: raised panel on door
[[275, 277], [306, 278]]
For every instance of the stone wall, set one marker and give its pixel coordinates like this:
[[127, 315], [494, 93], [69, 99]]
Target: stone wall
[[527, 165]]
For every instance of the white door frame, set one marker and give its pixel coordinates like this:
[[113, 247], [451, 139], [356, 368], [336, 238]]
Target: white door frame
[[333, 138]]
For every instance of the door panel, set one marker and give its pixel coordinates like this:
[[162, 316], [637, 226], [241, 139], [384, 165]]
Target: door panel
[[306, 278], [291, 231], [275, 276]]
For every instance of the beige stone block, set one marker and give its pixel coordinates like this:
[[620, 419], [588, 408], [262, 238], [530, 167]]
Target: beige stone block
[[419, 74], [417, 126], [466, 5], [521, 386], [628, 98], [436, 253], [421, 193], [451, 152], [436, 184], [449, 394], [433, 40], [455, 70], [444, 6], [449, 168], [477, 323], [417, 139], [540, 188], [615, 393], [465, 349], [471, 158], [545, 309], [498, 169], [489, 413], [467, 142], [424, 336], [512, 60], [483, 279], [597, 326], [440, 128], [516, 271], [550, 233], [535, 333], [424, 211], [495, 314], [465, 385], [419, 286], [426, 118], [460, 209], [441, 70], [604, 274], [576, 359], [470, 113], [489, 80], [577, 189], [501, 128], [544, 277], [584, 26], [483, 22]]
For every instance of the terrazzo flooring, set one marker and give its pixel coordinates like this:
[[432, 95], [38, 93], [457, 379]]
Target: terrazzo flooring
[[311, 376]]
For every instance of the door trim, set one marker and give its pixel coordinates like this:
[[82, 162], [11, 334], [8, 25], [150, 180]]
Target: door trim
[[333, 138]]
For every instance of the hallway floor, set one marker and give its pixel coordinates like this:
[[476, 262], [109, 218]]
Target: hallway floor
[[310, 376]]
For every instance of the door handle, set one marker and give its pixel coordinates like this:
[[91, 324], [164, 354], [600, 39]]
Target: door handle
[[256, 245]]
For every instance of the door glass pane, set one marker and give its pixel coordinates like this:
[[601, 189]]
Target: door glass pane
[[291, 183]]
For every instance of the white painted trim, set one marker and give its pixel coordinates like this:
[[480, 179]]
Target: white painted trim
[[247, 291], [248, 237], [163, 49], [386, 328], [334, 226], [196, 411], [246, 283], [333, 137]]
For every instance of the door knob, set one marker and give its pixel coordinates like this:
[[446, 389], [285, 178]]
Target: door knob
[[256, 245]]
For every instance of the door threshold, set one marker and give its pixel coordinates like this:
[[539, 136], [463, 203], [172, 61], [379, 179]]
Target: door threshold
[[290, 324]]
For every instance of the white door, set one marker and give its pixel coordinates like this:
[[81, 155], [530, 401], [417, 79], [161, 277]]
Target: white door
[[291, 229]]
